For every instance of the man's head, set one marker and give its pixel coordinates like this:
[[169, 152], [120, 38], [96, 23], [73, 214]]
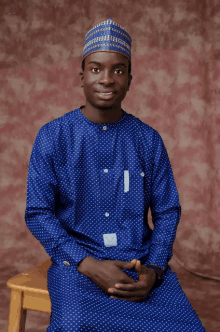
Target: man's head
[[106, 65], [105, 79]]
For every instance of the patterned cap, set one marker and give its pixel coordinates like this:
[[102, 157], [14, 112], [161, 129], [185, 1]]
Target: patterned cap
[[107, 36]]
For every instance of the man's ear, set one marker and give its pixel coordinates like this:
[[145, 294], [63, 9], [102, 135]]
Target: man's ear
[[129, 80], [81, 76]]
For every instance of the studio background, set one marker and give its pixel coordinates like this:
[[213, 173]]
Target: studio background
[[175, 89]]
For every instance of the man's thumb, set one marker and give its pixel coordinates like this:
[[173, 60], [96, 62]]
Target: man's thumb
[[126, 265], [130, 264]]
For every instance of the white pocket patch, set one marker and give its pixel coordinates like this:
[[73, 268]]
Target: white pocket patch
[[126, 181], [110, 240]]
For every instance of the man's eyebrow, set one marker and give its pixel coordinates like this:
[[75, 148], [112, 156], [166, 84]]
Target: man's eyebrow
[[114, 65], [119, 64], [97, 63]]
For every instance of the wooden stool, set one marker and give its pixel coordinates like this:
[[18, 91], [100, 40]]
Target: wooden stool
[[28, 291]]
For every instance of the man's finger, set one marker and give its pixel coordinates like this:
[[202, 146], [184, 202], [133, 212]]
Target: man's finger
[[138, 264], [134, 286], [126, 265], [132, 263], [128, 293]]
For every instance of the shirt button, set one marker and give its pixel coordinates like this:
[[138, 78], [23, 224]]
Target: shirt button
[[142, 174], [107, 214], [66, 263], [106, 170], [104, 128]]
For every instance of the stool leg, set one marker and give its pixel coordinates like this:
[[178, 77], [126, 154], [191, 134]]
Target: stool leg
[[17, 315], [23, 319]]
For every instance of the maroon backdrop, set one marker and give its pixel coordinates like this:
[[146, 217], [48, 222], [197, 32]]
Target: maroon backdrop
[[175, 89]]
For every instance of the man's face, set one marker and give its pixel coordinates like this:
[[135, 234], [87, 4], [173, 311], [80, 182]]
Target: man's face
[[105, 79]]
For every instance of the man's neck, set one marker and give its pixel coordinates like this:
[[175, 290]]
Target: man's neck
[[102, 116]]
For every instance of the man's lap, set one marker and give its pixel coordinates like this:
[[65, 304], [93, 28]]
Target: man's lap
[[80, 305]]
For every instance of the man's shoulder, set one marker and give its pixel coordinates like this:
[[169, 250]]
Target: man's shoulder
[[142, 126], [62, 120], [58, 127]]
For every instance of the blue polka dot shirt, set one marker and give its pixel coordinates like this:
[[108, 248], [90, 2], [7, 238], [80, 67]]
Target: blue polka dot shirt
[[90, 186]]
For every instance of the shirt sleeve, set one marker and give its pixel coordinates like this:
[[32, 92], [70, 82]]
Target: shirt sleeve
[[165, 206], [42, 194]]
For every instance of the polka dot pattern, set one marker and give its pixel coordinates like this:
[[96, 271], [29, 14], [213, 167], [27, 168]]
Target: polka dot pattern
[[90, 186]]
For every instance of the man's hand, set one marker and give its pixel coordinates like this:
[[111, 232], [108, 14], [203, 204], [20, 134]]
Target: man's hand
[[135, 292], [107, 273]]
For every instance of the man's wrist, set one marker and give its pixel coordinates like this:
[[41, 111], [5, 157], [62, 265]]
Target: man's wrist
[[155, 268], [83, 265]]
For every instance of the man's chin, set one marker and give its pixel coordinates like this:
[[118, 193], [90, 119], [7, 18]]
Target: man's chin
[[104, 105]]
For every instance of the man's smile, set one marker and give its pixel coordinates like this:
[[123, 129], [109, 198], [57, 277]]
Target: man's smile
[[105, 95]]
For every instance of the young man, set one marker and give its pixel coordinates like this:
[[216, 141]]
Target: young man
[[93, 175]]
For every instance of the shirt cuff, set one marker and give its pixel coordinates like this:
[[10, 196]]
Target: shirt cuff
[[158, 255], [70, 254]]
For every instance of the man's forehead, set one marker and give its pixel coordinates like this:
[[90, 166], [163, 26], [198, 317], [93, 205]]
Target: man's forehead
[[103, 57]]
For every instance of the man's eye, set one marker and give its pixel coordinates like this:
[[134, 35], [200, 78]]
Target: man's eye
[[95, 70], [119, 71]]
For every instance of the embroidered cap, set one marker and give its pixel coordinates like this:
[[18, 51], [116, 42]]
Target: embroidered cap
[[107, 36]]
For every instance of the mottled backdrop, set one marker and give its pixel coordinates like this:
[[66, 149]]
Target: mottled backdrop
[[175, 89]]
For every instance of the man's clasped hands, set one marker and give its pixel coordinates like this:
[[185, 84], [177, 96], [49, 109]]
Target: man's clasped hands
[[108, 275]]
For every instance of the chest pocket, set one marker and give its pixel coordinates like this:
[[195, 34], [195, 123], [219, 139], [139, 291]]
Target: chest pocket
[[133, 190]]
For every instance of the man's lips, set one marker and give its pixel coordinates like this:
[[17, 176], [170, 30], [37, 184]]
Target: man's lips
[[106, 92], [105, 95]]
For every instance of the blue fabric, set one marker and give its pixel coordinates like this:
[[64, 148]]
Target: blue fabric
[[107, 36], [77, 191]]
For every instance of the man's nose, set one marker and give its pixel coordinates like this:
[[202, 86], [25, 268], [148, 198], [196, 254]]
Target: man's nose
[[106, 78]]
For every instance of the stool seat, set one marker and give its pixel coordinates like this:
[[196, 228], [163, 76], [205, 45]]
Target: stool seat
[[28, 291]]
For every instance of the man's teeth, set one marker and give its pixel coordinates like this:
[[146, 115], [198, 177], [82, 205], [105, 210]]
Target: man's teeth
[[108, 93]]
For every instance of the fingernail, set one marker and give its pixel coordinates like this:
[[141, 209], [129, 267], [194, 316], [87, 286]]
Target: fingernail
[[111, 290], [117, 285]]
